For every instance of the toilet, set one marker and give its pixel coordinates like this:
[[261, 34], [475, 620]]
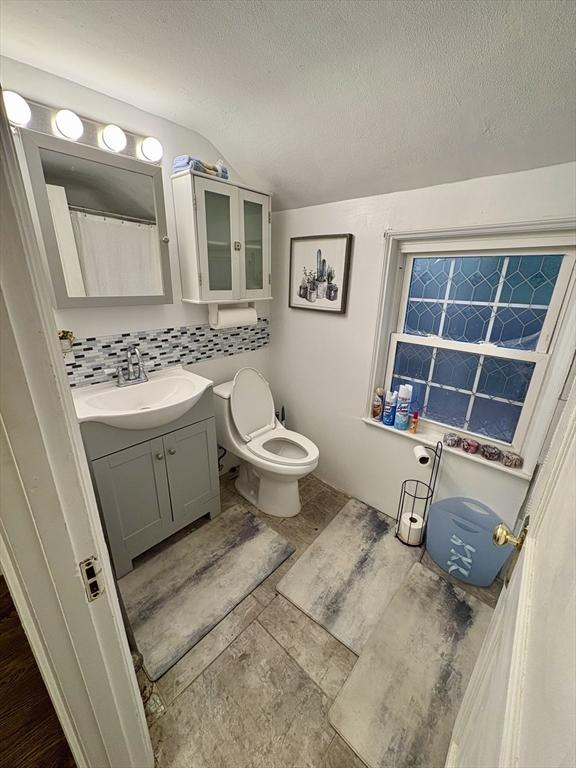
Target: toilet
[[272, 458]]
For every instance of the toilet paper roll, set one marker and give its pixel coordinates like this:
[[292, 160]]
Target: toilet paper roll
[[422, 454], [411, 529], [233, 317]]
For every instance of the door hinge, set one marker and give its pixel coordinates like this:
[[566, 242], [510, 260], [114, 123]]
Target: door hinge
[[194, 203], [269, 217], [199, 278], [269, 279], [91, 578]]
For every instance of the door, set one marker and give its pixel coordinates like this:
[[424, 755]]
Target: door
[[255, 239], [520, 706], [49, 521], [218, 239], [134, 499], [192, 464]]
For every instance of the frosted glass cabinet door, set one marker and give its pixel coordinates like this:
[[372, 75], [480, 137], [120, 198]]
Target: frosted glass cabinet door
[[218, 239], [254, 232]]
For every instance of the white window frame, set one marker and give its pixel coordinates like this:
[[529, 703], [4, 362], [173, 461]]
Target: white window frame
[[556, 341]]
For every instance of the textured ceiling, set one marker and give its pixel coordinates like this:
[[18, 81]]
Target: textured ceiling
[[321, 100]]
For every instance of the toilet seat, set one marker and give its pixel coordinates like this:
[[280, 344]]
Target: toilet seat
[[252, 409], [277, 445], [251, 404]]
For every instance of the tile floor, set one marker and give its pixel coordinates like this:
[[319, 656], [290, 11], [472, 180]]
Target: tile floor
[[255, 692]]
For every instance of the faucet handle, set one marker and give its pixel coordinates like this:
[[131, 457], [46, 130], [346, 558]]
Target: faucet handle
[[116, 371]]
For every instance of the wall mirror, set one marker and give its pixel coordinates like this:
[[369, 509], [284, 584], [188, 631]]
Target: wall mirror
[[103, 223]]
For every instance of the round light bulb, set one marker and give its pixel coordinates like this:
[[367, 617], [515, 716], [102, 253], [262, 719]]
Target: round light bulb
[[114, 138], [151, 149], [17, 108], [69, 124]]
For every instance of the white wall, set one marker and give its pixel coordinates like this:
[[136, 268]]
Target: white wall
[[320, 363], [49, 89]]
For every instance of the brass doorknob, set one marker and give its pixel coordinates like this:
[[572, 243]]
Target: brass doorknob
[[502, 535]]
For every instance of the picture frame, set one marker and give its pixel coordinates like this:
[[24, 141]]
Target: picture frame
[[319, 272]]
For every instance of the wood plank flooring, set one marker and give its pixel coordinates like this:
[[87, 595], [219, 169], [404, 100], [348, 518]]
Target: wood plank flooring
[[30, 734]]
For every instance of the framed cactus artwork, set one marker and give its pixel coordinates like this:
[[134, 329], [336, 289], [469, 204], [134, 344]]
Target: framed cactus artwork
[[319, 269]]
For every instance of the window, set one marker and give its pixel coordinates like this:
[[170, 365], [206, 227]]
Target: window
[[474, 332]]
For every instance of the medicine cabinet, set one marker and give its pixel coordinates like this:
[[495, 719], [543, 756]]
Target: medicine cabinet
[[102, 223], [223, 240]]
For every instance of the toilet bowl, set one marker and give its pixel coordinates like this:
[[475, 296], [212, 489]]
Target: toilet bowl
[[272, 458]]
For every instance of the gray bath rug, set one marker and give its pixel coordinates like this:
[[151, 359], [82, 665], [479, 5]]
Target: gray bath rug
[[398, 706], [349, 574], [179, 594]]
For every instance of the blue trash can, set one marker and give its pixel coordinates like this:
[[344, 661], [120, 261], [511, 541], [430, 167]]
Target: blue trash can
[[459, 540]]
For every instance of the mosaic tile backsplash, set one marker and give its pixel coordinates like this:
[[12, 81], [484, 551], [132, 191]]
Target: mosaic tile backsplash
[[161, 347]]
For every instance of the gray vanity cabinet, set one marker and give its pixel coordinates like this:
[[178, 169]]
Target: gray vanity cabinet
[[148, 490], [135, 500], [192, 467]]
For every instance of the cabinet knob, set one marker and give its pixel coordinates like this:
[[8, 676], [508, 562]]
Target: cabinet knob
[[160, 456], [171, 451], [165, 239]]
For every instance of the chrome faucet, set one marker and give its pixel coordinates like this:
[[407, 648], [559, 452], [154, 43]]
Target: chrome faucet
[[135, 373]]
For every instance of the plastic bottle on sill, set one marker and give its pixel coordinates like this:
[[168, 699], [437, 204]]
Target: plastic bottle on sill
[[414, 423], [402, 418], [389, 408], [377, 404]]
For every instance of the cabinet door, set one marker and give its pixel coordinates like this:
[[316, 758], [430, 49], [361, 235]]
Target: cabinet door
[[255, 238], [218, 239], [134, 500], [192, 463]]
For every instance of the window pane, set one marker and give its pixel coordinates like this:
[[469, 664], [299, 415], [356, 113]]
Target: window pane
[[500, 299], [447, 407], [412, 361], [476, 278], [517, 328], [508, 379], [466, 322], [455, 369], [429, 278], [494, 419], [475, 392], [423, 318], [530, 279]]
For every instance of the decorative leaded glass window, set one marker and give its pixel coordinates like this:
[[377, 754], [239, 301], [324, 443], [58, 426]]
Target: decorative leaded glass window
[[473, 337]]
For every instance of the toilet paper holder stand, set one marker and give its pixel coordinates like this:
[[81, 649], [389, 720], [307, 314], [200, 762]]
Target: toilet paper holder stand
[[414, 503]]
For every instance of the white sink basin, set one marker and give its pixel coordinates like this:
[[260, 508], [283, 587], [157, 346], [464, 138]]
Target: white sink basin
[[165, 397]]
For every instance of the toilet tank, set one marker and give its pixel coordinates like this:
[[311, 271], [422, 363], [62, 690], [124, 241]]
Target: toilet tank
[[222, 394]]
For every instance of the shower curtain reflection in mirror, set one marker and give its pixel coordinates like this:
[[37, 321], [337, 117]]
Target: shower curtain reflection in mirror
[[104, 255]]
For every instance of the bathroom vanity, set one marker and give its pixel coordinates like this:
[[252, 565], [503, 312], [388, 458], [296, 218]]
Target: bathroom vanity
[[149, 482]]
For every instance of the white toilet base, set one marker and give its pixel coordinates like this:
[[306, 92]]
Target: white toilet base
[[276, 495]]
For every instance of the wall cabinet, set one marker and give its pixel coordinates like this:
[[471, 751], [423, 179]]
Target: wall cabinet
[[223, 240], [148, 491]]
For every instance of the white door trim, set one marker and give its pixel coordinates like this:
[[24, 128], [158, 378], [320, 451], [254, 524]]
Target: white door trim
[[49, 521]]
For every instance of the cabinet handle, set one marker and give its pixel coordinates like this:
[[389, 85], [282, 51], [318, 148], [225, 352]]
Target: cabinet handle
[[171, 451], [160, 456]]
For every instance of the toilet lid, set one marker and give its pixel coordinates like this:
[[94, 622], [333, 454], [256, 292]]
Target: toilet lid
[[251, 403]]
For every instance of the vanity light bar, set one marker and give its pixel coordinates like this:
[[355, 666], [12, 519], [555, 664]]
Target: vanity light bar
[[17, 108], [66, 124]]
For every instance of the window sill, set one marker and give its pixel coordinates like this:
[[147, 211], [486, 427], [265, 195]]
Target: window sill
[[430, 438]]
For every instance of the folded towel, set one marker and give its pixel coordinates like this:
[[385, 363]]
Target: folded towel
[[188, 163]]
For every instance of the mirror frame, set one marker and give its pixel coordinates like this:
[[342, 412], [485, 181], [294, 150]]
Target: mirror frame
[[32, 143]]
